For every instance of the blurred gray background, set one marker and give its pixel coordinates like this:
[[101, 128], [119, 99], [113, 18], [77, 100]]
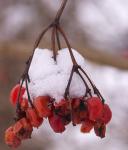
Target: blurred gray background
[[98, 29]]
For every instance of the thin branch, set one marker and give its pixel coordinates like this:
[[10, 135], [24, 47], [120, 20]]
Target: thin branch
[[29, 98], [60, 11], [58, 39], [88, 90], [69, 83], [53, 43]]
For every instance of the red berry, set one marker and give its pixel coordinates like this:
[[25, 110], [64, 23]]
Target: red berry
[[63, 107], [24, 104], [23, 129], [33, 117], [100, 129], [75, 103], [95, 108], [14, 94], [76, 117], [87, 126], [11, 139], [56, 123], [107, 114], [41, 104]]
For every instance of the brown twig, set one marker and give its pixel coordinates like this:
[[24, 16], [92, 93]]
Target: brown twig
[[60, 11], [58, 39], [53, 43]]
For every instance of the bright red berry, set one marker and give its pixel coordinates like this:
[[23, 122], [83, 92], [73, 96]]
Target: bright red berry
[[11, 139], [95, 108], [23, 129], [24, 104], [56, 123], [33, 117], [14, 94], [41, 104], [87, 126], [107, 114]]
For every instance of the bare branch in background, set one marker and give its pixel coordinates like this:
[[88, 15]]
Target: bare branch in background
[[99, 57]]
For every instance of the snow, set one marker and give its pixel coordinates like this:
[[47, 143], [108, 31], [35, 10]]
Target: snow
[[51, 78]]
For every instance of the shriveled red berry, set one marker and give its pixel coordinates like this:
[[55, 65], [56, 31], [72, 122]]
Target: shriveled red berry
[[33, 117], [56, 123], [100, 129], [76, 117], [41, 104], [11, 139], [83, 115], [24, 104], [14, 94], [95, 108], [107, 114], [63, 107], [23, 129], [75, 103], [87, 126]]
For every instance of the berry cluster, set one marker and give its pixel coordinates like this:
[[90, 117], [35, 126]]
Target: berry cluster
[[89, 112]]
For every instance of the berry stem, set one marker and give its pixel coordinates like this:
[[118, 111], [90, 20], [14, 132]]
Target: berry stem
[[88, 90], [60, 11], [96, 91], [58, 39], [53, 43], [66, 94]]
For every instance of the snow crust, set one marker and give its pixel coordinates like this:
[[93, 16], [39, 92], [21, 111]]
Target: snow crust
[[50, 78]]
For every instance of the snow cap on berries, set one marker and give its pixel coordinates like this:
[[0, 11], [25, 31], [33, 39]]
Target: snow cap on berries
[[50, 78]]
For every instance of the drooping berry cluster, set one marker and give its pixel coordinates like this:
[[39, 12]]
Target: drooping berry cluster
[[89, 112]]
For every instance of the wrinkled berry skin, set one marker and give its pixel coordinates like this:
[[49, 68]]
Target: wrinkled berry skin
[[33, 117], [41, 104], [11, 139], [23, 129]]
